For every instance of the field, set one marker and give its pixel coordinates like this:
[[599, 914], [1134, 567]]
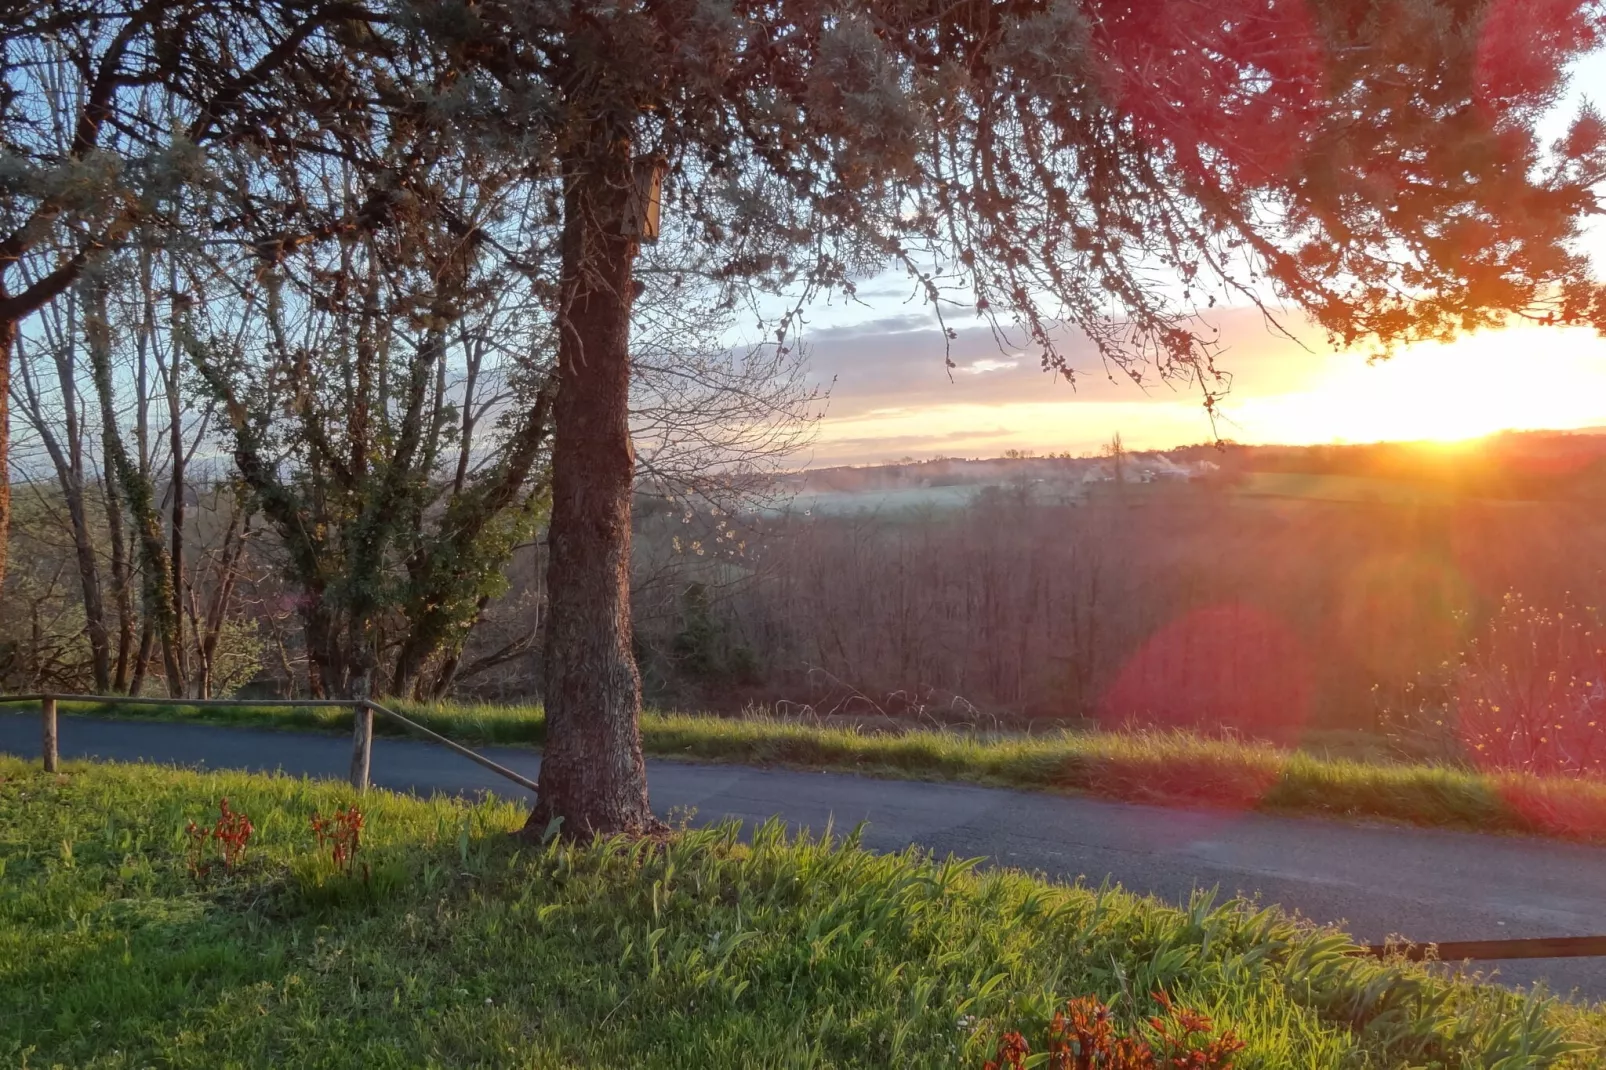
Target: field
[[446, 942], [1160, 767], [1343, 488]]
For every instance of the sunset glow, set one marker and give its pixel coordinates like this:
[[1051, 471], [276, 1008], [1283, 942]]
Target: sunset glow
[[1521, 378]]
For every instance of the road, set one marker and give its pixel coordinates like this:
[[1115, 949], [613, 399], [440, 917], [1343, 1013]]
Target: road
[[1427, 884]]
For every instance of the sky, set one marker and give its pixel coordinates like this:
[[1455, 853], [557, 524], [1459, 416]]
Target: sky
[[892, 397]]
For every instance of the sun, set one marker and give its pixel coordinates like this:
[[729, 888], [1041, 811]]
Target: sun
[[1516, 378]]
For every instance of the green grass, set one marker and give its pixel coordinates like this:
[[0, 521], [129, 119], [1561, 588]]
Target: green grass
[[467, 947], [1171, 768]]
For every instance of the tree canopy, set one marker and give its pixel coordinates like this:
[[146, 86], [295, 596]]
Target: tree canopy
[[1066, 169], [1051, 162]]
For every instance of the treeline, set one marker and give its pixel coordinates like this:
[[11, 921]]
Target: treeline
[[1191, 606], [1512, 465]]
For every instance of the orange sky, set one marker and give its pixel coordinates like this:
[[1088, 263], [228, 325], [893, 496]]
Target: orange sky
[[892, 396]]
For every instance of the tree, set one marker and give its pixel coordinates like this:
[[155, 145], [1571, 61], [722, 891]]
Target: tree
[[383, 369], [60, 431], [1047, 163], [104, 110]]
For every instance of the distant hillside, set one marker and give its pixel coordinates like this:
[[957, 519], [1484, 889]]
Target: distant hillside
[[953, 482], [1526, 466]]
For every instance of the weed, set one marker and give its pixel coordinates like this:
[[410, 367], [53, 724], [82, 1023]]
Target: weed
[[232, 834], [1086, 1036], [196, 838], [342, 834]]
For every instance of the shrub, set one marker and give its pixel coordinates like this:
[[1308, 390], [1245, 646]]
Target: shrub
[[1528, 694]]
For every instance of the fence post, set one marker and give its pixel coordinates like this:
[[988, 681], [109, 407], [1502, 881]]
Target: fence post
[[47, 714], [362, 744]]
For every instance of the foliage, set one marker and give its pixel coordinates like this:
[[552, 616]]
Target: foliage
[[1038, 165], [106, 114], [703, 648], [1084, 1036], [1161, 768], [704, 948], [42, 640], [237, 655], [342, 834], [231, 832]]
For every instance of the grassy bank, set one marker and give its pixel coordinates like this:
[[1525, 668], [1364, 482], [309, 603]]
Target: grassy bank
[[1160, 768], [451, 944]]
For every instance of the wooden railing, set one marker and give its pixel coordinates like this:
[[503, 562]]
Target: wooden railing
[[362, 731], [1533, 947]]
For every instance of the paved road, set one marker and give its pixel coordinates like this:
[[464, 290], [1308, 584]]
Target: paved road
[[1426, 884]]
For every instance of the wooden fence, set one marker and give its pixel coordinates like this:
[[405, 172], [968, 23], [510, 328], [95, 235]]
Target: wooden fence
[[362, 732]]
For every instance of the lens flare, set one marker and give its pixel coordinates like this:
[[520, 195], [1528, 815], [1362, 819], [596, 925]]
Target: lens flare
[[1231, 667]]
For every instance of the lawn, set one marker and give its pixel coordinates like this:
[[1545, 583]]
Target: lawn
[[450, 943], [1167, 768]]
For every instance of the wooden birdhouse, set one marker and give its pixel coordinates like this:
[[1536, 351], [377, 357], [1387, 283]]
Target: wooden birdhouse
[[648, 196]]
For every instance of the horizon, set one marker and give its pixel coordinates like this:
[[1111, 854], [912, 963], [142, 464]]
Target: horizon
[[1225, 443], [894, 398]]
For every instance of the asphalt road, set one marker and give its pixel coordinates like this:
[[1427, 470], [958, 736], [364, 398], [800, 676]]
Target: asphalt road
[[1374, 880]]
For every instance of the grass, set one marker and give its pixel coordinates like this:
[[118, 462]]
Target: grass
[[1169, 768], [463, 946]]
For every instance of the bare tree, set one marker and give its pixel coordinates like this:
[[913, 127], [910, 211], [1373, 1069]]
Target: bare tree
[[104, 111], [57, 421]]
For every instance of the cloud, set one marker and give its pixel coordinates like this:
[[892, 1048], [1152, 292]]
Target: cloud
[[905, 323], [902, 362], [904, 387], [982, 367], [890, 447]]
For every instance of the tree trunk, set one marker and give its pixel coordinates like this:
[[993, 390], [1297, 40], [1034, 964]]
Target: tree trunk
[[67, 457], [179, 662], [8, 343], [326, 667], [592, 774], [135, 484], [142, 659], [89, 583], [121, 585]]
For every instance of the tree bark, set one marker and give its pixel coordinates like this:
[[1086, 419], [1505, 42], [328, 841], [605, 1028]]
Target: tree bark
[[142, 658], [175, 553], [136, 486], [8, 343], [592, 773], [121, 586]]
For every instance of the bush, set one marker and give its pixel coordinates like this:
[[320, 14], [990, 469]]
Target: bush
[[1526, 695]]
